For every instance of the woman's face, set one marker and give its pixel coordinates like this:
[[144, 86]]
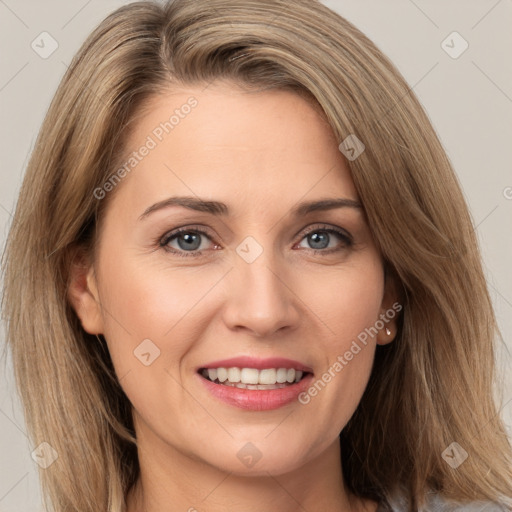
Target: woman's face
[[263, 276]]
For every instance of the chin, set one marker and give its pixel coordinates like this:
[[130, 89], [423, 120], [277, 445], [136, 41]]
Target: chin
[[258, 458], [265, 467]]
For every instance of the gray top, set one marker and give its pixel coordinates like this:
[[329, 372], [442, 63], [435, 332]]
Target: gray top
[[436, 503]]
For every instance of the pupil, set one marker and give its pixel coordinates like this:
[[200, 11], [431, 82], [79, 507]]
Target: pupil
[[319, 240], [193, 241]]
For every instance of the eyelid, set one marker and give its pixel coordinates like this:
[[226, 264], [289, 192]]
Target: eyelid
[[325, 227]]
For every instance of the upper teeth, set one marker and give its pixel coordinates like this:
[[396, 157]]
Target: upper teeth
[[254, 376]]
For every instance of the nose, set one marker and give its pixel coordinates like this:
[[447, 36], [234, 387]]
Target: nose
[[260, 298]]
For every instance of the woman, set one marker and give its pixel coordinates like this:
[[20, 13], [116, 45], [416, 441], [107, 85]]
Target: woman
[[242, 276]]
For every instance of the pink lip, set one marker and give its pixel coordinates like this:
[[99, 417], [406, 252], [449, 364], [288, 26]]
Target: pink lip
[[257, 399], [259, 364]]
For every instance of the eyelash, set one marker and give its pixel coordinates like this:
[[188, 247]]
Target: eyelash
[[164, 241]]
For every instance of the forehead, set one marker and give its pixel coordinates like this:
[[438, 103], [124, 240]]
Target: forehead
[[249, 148]]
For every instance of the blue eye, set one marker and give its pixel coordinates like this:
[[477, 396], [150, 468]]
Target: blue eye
[[188, 241], [320, 239]]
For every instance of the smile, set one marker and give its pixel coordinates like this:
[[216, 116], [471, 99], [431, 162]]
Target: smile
[[256, 384], [252, 378]]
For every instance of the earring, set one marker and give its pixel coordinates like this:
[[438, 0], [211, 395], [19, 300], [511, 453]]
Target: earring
[[388, 332]]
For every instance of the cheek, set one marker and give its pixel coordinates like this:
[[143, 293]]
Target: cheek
[[349, 308], [153, 317], [345, 301], [153, 302]]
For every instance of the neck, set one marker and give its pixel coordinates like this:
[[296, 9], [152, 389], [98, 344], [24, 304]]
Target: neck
[[172, 481]]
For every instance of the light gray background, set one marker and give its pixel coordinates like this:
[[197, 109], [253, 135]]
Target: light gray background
[[469, 100]]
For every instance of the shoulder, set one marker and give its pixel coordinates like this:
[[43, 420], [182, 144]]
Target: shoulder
[[436, 502]]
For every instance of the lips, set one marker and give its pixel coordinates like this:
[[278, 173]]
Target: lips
[[256, 384]]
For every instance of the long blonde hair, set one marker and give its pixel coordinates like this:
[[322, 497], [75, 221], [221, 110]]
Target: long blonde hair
[[432, 386]]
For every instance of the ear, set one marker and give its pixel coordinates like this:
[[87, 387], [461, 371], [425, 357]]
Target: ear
[[83, 294], [391, 306]]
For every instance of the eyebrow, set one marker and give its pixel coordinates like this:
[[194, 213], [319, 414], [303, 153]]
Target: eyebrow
[[221, 209]]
